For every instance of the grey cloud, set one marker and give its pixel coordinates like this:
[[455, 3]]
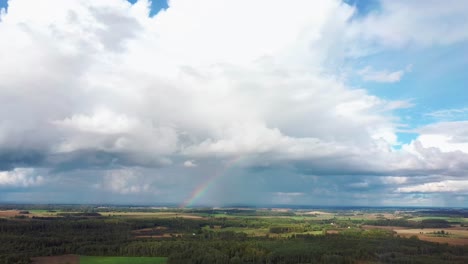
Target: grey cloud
[[116, 28], [13, 158]]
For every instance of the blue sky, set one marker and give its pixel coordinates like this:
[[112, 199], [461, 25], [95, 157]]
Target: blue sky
[[364, 7], [323, 102], [156, 6]]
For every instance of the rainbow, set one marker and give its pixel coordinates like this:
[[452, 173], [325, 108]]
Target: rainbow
[[206, 185]]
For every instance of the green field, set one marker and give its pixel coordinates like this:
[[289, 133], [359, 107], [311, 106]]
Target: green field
[[122, 260]]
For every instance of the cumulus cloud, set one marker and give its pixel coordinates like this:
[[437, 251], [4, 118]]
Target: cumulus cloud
[[442, 186], [20, 177], [141, 88], [190, 164], [445, 136], [124, 181], [102, 85]]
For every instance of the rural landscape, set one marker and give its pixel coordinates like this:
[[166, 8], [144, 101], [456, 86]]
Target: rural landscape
[[233, 131], [84, 234]]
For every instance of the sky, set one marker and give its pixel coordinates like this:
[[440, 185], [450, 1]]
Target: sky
[[257, 102]]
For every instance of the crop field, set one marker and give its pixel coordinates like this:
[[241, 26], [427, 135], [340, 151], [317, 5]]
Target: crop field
[[454, 236], [9, 213], [65, 259], [75, 259], [151, 215], [27, 213], [122, 260], [451, 235]]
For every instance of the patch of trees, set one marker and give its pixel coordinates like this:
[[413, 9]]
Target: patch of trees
[[427, 223], [444, 212], [434, 223]]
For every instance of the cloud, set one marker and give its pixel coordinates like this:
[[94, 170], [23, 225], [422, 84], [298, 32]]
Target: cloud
[[394, 180], [442, 186], [359, 185], [285, 197], [445, 136], [124, 181], [20, 177], [369, 74], [101, 122], [399, 24], [128, 97], [139, 89], [449, 114], [190, 164]]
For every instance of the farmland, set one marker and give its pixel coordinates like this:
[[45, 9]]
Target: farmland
[[96, 234], [122, 260], [75, 259]]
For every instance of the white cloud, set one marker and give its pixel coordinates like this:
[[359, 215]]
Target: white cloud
[[180, 83], [445, 136], [190, 164], [400, 23], [124, 181], [102, 121], [106, 130], [434, 187], [369, 74], [394, 180], [449, 114], [20, 177], [209, 79]]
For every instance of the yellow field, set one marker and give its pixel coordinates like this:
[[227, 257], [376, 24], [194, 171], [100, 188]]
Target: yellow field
[[456, 235]]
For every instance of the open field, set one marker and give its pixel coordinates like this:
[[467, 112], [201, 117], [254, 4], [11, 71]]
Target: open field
[[151, 215], [27, 213], [9, 213], [65, 259], [448, 240], [75, 259], [122, 260], [245, 230], [155, 232], [452, 235]]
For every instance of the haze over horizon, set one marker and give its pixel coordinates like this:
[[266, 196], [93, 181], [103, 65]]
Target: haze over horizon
[[214, 102]]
